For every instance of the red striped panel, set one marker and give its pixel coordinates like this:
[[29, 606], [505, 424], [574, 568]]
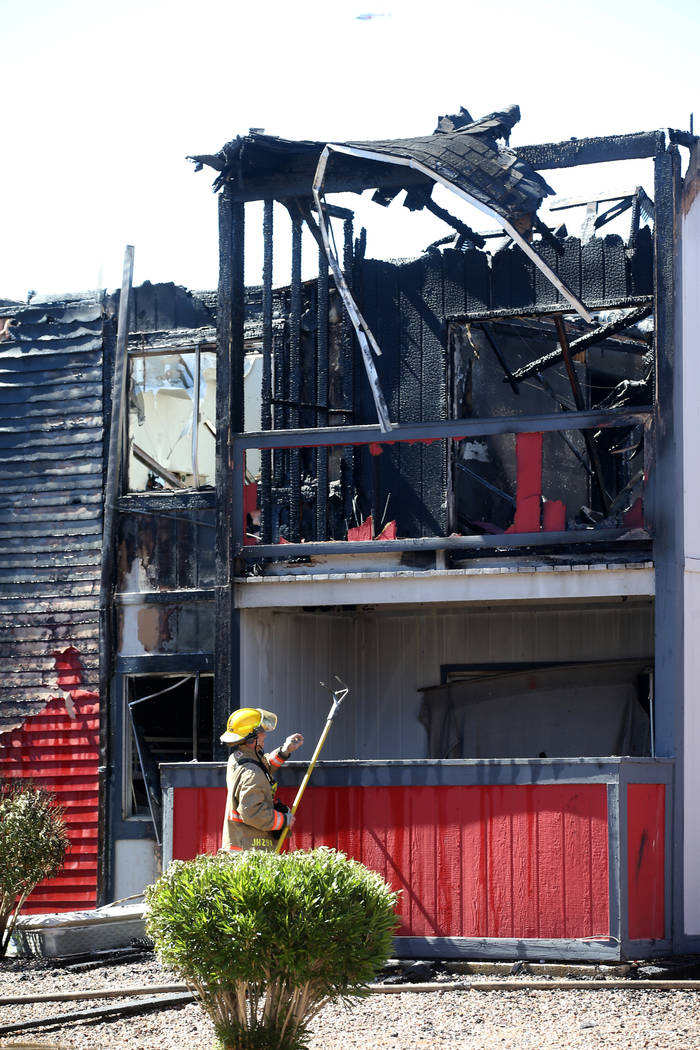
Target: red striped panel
[[62, 755], [199, 822], [646, 823], [526, 861]]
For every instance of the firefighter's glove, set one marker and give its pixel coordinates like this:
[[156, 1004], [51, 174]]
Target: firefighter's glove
[[292, 743], [288, 818]]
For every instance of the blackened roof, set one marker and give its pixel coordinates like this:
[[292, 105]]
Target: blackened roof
[[460, 150]]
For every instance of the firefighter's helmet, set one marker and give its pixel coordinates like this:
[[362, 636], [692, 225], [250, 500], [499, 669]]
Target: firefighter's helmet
[[245, 721]]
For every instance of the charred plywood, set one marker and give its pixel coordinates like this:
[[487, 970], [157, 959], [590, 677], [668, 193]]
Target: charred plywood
[[51, 442], [166, 550]]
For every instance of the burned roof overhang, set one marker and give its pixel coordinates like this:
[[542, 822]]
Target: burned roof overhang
[[463, 151], [259, 167]]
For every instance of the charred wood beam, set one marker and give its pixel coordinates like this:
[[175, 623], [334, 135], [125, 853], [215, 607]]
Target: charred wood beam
[[461, 227], [508, 375], [322, 374], [547, 235], [335, 212], [266, 407], [581, 406], [294, 388], [597, 150], [157, 468], [282, 187], [563, 203], [456, 429], [346, 355], [583, 341], [612, 213], [502, 541], [486, 484], [229, 461], [175, 504], [547, 310]]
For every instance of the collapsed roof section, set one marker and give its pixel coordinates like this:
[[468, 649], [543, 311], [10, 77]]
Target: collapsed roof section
[[463, 151], [462, 154]]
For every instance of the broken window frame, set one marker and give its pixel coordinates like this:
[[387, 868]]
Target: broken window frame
[[170, 479]]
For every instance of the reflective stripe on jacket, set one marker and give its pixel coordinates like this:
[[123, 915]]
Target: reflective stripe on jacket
[[251, 817]]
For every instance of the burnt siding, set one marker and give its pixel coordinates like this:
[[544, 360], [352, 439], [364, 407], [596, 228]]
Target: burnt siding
[[406, 305], [51, 463], [403, 304]]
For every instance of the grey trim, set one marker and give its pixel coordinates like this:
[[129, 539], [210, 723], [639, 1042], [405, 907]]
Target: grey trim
[[588, 950], [667, 483], [168, 809], [502, 541], [669, 859], [614, 902], [623, 865], [421, 772], [636, 772], [645, 949], [445, 428]]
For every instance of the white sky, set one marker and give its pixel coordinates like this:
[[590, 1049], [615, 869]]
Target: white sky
[[102, 101]]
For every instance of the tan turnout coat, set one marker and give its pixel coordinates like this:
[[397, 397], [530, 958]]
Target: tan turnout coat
[[251, 817]]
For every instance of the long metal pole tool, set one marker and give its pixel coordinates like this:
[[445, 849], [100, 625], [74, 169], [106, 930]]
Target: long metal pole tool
[[338, 697]]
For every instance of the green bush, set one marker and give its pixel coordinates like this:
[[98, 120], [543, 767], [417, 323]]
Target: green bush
[[33, 844], [266, 940]]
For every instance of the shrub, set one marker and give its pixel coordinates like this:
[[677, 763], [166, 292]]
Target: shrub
[[266, 940], [33, 844]]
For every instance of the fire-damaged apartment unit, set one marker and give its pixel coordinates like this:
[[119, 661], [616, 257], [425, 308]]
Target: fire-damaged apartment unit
[[462, 482]]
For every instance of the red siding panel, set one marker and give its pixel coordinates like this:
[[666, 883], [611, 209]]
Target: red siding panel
[[646, 819], [528, 861], [61, 754], [199, 819]]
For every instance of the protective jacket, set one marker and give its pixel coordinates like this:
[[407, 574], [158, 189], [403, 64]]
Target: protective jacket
[[251, 819]]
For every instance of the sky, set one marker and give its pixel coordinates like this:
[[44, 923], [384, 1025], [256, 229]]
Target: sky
[[102, 103]]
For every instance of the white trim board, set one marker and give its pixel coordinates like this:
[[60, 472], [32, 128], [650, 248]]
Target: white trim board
[[550, 583]]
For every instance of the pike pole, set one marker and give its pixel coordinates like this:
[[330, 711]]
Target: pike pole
[[338, 697]]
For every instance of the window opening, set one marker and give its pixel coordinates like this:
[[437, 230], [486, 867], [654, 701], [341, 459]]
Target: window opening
[[168, 719], [540, 710]]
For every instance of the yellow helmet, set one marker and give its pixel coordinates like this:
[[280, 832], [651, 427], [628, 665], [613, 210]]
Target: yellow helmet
[[245, 721]]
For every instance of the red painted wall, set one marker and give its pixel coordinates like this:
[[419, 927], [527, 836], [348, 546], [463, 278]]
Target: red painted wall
[[61, 753], [528, 861], [646, 821]]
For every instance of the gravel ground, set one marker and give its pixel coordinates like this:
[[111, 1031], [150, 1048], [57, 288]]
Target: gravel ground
[[462, 1020]]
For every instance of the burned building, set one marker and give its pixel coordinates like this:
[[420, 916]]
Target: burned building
[[461, 482]]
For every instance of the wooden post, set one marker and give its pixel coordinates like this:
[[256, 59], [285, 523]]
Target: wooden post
[[229, 475]]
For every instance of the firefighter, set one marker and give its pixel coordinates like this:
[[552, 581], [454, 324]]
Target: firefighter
[[253, 819]]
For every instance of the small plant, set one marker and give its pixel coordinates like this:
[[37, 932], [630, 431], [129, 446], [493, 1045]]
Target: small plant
[[33, 844], [266, 940]]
